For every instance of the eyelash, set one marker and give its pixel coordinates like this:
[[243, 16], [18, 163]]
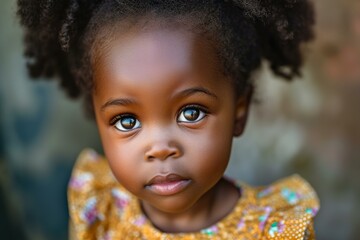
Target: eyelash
[[200, 107], [115, 119]]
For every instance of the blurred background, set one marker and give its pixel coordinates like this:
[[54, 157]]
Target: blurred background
[[310, 127]]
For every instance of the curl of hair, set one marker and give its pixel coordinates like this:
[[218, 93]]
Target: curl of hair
[[49, 25], [283, 26]]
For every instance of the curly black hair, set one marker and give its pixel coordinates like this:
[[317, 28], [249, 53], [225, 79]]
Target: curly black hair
[[59, 34]]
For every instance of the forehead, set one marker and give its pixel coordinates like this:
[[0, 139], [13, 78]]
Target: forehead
[[153, 52]]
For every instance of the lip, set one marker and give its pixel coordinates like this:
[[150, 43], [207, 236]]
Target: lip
[[167, 185]]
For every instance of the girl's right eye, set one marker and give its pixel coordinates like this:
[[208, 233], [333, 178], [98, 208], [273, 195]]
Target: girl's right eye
[[126, 123]]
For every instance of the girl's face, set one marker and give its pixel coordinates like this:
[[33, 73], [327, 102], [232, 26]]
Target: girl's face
[[166, 115]]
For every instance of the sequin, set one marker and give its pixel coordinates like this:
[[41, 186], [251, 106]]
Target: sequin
[[210, 231], [276, 227], [121, 198], [265, 192], [241, 224], [291, 196], [81, 181], [312, 211], [90, 213], [140, 220]]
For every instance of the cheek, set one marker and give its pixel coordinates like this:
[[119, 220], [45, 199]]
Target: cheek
[[125, 167], [123, 158], [211, 153], [215, 149]]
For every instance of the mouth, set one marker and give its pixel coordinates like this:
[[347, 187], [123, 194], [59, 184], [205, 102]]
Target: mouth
[[167, 185]]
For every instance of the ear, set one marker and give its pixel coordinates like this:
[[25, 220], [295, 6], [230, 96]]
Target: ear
[[241, 111]]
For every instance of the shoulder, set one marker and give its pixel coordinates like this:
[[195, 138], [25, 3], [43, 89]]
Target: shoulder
[[88, 167], [290, 205], [289, 192], [91, 191]]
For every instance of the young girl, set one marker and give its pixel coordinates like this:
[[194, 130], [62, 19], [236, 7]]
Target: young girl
[[169, 84]]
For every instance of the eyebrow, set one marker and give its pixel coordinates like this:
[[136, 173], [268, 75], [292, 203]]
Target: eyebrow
[[184, 93], [117, 102], [191, 91]]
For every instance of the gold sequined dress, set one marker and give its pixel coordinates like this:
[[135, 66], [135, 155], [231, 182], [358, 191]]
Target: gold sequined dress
[[100, 208]]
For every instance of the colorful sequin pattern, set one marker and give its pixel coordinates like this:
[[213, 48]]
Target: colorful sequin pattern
[[100, 208]]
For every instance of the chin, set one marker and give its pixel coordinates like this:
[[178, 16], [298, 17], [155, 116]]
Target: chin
[[173, 204]]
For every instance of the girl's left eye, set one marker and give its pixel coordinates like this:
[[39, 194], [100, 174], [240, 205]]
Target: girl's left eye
[[191, 114]]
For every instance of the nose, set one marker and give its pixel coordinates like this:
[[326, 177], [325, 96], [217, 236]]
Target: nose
[[161, 143], [162, 151]]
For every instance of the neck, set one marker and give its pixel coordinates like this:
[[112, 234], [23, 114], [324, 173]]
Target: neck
[[209, 209]]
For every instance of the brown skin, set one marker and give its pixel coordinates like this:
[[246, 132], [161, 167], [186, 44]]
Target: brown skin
[[156, 76]]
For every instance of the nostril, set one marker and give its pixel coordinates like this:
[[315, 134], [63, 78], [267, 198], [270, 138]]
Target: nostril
[[150, 158], [173, 154], [161, 153]]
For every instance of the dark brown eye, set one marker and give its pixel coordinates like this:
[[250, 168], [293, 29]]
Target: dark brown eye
[[127, 123], [191, 114]]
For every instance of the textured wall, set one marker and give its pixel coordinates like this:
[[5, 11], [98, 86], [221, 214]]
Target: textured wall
[[41, 133]]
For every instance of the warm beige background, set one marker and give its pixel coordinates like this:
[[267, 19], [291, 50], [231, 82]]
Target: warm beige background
[[311, 126]]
